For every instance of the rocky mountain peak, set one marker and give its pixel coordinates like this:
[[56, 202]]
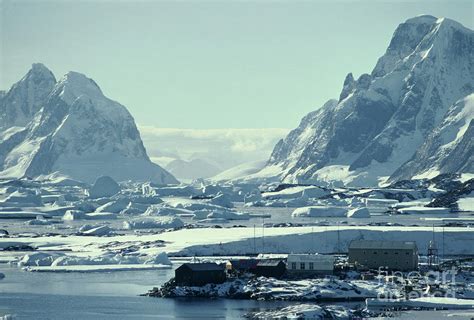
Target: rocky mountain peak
[[348, 86], [39, 68], [71, 129], [74, 84], [382, 119], [26, 97]]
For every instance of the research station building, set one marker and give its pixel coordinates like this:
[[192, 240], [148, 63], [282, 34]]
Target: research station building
[[270, 268], [310, 264], [199, 274], [392, 255]]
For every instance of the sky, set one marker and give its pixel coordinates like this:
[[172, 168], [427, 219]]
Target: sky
[[209, 64], [223, 148]]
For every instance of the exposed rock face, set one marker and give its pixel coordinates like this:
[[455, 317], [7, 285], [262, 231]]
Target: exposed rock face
[[413, 100], [70, 128], [448, 148], [451, 197], [19, 105]]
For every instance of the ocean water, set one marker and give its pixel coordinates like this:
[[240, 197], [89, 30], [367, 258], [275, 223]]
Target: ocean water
[[108, 295]]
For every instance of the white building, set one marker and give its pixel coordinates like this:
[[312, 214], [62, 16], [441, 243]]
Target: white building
[[310, 264]]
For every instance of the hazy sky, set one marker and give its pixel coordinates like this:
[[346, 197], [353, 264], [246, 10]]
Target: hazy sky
[[196, 64]]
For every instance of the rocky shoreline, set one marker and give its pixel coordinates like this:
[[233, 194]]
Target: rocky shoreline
[[261, 288]]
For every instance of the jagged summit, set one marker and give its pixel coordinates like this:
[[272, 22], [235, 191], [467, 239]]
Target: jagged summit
[[381, 119], [422, 19], [70, 128], [40, 68], [415, 36], [74, 84], [24, 99]]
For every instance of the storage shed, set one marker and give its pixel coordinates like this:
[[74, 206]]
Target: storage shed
[[310, 264], [270, 268], [375, 254], [242, 265], [199, 274]]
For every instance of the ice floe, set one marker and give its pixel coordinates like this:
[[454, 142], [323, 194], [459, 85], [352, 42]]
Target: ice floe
[[362, 212], [160, 223], [104, 186], [320, 211]]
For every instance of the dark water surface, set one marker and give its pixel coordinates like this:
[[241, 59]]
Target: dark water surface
[[108, 295]]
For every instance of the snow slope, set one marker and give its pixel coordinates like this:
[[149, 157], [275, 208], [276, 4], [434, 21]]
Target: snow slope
[[449, 148], [238, 241], [240, 171], [75, 131], [192, 169]]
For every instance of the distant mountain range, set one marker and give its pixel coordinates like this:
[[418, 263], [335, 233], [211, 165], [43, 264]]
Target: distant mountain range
[[68, 127], [192, 169], [200, 152], [411, 117]]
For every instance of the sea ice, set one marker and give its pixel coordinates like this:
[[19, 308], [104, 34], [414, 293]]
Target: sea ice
[[114, 206], [320, 211], [423, 210], [362, 212], [104, 186], [222, 200], [160, 258], [38, 259], [98, 231], [160, 223], [39, 221]]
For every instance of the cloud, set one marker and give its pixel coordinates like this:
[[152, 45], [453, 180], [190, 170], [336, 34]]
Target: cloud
[[223, 147]]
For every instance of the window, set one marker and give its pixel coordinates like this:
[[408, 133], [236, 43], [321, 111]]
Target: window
[[375, 252], [302, 267], [385, 252], [293, 265], [311, 266], [407, 253]]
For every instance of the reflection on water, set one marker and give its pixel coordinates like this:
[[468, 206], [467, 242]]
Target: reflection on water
[[122, 283], [114, 295], [108, 295], [46, 306]]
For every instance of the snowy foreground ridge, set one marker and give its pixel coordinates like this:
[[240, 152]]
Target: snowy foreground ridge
[[412, 116], [70, 128], [104, 250]]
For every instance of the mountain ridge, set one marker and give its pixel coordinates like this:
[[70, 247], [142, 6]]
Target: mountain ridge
[[75, 131], [383, 117]]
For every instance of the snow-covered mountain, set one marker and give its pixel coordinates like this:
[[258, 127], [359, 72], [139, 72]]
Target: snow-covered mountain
[[70, 128], [242, 170], [19, 105], [411, 116], [449, 147]]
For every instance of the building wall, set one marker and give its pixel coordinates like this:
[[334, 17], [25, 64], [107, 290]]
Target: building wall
[[397, 259], [310, 267], [310, 264], [271, 271], [198, 278]]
